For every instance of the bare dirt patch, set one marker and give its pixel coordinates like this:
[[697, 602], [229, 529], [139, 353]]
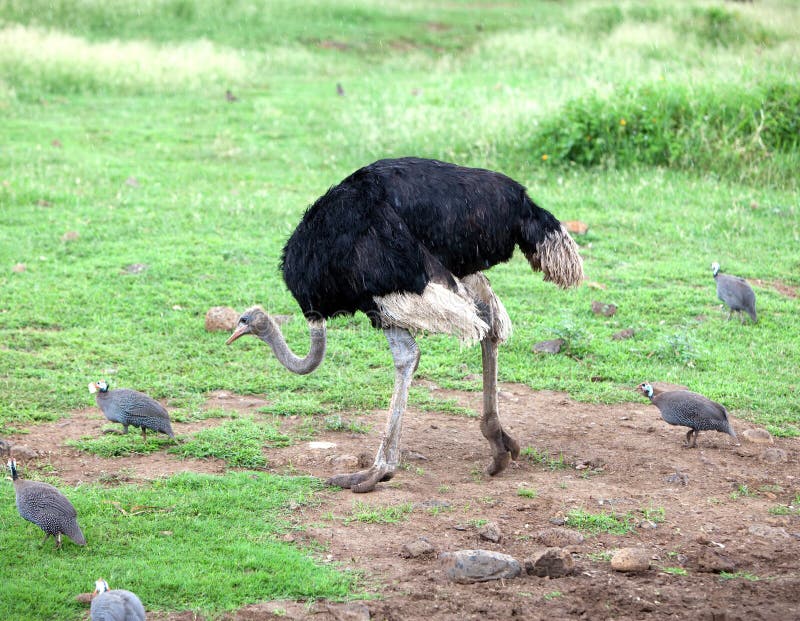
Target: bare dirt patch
[[721, 511]]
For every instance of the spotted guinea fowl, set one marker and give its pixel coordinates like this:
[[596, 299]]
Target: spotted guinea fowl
[[45, 506], [737, 295], [131, 407], [115, 604], [688, 409]]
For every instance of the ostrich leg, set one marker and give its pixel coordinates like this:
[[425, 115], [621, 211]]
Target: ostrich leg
[[504, 447], [405, 353]]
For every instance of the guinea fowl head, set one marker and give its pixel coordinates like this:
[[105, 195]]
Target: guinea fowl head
[[100, 586], [253, 321], [646, 389], [715, 268], [12, 466], [99, 385]]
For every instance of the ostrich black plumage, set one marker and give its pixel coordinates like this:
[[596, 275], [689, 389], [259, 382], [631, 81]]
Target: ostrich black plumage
[[405, 241]]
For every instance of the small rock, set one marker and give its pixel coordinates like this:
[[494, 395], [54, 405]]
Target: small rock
[[84, 598], [576, 226], [758, 436], [602, 308], [135, 268], [550, 563], [19, 268], [711, 561], [343, 462], [132, 182], [467, 566], [548, 347], [56, 143], [559, 537], [415, 549], [70, 236], [558, 520], [490, 532], [768, 532], [21, 451], [221, 319], [647, 524], [433, 504], [774, 455], [321, 446], [627, 333], [350, 611], [631, 559], [678, 478], [408, 455]]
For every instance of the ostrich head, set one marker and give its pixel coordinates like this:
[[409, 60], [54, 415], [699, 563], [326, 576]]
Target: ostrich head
[[253, 321], [715, 268], [646, 389]]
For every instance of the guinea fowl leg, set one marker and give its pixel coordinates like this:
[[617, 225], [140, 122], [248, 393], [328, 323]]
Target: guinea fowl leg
[[504, 447], [405, 353], [144, 434], [58, 541]]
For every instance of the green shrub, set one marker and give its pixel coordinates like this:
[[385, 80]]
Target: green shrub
[[730, 131]]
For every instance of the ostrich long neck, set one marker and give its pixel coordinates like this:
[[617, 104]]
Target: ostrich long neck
[[273, 337]]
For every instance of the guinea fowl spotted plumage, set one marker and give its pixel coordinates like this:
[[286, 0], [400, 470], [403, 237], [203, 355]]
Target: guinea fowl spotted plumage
[[131, 407], [688, 409], [45, 506], [405, 241], [737, 295], [115, 604]]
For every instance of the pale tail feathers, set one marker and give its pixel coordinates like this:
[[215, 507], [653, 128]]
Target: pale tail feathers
[[437, 309], [479, 289], [558, 257]]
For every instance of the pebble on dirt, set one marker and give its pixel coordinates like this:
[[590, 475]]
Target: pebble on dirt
[[490, 532], [774, 455], [758, 436], [467, 566], [415, 549], [559, 537], [631, 559], [603, 308], [550, 563]]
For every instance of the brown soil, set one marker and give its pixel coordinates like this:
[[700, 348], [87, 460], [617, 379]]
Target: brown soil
[[619, 458]]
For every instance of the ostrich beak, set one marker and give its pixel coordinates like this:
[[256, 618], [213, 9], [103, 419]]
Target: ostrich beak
[[239, 331]]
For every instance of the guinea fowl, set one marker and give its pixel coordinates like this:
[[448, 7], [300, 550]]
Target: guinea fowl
[[405, 241], [131, 407], [735, 293], [688, 409], [45, 506], [115, 604]]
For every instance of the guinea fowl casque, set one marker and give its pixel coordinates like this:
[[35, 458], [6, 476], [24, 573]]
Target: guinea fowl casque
[[115, 604], [45, 506], [405, 241], [689, 409], [736, 293], [131, 407]]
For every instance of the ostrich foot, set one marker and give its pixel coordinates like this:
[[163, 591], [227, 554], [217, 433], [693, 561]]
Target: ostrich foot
[[501, 459], [362, 481]]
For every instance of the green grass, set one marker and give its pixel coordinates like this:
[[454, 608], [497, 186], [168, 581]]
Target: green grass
[[219, 537], [115, 127], [115, 445], [371, 514], [238, 442], [595, 523]]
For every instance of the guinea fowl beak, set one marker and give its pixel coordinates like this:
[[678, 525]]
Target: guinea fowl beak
[[239, 331]]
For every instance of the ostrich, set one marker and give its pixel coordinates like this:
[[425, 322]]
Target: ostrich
[[405, 241]]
